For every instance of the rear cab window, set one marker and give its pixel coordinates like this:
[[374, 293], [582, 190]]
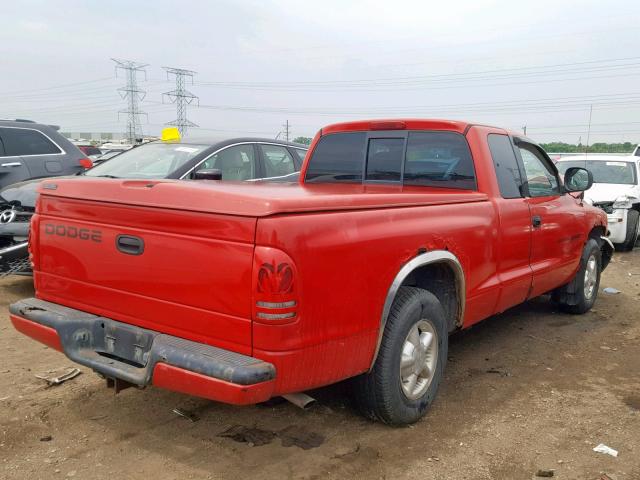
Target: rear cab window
[[421, 158], [338, 157]]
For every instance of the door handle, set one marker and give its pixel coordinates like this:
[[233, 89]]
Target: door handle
[[11, 164], [129, 244], [536, 221]]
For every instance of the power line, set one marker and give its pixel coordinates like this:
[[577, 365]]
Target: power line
[[66, 85], [132, 94], [517, 72], [181, 97], [525, 106]]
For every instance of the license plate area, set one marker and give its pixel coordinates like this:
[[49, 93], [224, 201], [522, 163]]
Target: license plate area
[[125, 343]]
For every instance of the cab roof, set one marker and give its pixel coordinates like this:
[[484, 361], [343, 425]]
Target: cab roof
[[458, 126]]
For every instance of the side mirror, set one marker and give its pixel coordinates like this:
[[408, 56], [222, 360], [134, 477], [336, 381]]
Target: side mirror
[[577, 179], [208, 174]]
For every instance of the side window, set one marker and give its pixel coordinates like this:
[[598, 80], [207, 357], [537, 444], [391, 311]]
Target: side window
[[384, 159], [236, 163], [506, 166], [439, 159], [338, 157], [277, 161], [22, 142], [300, 154], [541, 180]]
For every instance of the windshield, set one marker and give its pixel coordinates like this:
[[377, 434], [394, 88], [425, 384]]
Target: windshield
[[154, 160], [610, 171]]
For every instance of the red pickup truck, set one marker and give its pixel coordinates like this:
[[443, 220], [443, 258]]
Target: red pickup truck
[[397, 234]]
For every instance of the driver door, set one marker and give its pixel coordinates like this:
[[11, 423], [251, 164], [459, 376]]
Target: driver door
[[556, 221]]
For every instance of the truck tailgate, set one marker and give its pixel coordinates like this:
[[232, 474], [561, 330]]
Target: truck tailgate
[[179, 272]]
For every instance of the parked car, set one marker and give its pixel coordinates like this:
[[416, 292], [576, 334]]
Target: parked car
[[107, 155], [398, 233], [616, 190], [233, 159], [90, 151], [32, 150]]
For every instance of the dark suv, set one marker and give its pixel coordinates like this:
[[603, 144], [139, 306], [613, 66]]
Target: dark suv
[[32, 150]]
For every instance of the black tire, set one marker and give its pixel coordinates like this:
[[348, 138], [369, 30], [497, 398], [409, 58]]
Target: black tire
[[379, 393], [633, 217], [573, 297]]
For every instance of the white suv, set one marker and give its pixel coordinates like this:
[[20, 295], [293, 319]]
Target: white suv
[[616, 189]]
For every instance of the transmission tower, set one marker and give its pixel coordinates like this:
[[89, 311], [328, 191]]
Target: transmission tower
[[181, 97], [286, 130], [132, 94]]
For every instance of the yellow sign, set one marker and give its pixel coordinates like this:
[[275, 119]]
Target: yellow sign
[[170, 134]]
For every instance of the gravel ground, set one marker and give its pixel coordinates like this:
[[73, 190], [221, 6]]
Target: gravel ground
[[531, 389]]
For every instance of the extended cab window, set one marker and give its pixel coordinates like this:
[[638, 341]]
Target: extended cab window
[[439, 159], [541, 179], [24, 141], [506, 166], [338, 157]]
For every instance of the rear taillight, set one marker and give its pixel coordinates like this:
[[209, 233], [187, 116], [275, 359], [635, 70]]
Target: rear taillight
[[32, 241], [86, 163], [274, 286]]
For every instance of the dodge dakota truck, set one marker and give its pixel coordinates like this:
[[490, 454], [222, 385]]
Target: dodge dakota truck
[[398, 233]]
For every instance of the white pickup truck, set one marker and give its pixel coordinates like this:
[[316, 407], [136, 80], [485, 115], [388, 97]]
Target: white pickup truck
[[616, 190]]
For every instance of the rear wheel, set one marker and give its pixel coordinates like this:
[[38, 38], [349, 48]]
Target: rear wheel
[[410, 363], [633, 221], [579, 295]]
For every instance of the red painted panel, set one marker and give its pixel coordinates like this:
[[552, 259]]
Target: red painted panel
[[346, 262], [184, 381], [41, 333], [557, 243], [322, 364]]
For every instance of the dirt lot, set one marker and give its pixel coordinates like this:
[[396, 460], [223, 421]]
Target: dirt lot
[[527, 390]]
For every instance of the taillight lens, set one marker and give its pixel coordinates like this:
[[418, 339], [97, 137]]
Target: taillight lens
[[86, 163], [32, 241], [275, 289]]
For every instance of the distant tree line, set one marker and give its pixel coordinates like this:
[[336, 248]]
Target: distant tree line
[[303, 140], [561, 147]]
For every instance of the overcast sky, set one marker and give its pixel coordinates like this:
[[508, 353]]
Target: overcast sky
[[259, 63]]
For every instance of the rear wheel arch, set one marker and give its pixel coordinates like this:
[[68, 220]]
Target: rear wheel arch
[[437, 271]]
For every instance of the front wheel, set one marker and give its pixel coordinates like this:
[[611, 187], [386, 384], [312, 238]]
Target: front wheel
[[405, 377], [579, 295]]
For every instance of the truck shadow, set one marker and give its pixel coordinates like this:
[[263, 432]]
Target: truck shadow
[[491, 364]]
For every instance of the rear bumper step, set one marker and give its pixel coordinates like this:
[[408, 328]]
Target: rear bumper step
[[145, 357]]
